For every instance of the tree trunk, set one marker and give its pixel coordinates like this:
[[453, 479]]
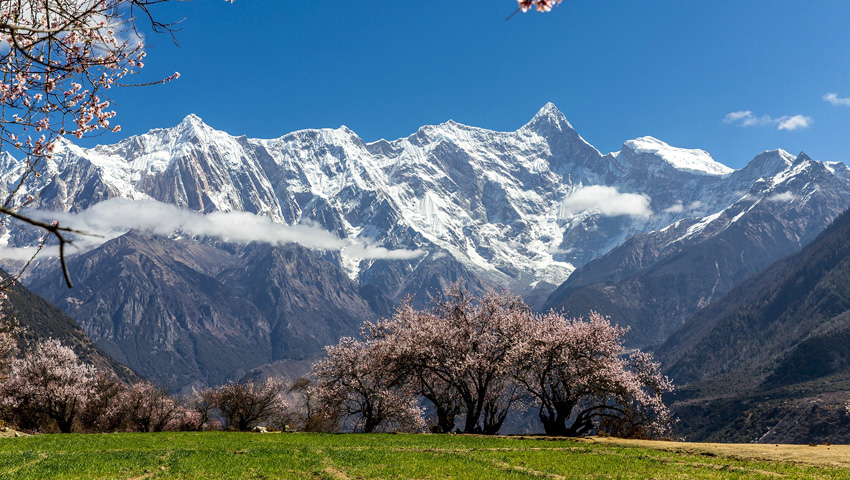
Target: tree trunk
[[473, 414], [445, 420], [65, 424], [555, 417], [493, 424], [582, 424]]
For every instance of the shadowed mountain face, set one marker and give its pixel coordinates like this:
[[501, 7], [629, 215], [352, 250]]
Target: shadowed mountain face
[[777, 323], [184, 313], [654, 282], [780, 341], [40, 320]]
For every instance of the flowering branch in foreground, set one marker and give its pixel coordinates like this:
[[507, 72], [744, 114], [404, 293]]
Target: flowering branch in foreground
[[58, 61]]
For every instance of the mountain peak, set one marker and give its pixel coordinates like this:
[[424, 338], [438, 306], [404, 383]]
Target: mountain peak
[[7, 161], [684, 159], [548, 109], [769, 163], [547, 119], [802, 157], [191, 120]]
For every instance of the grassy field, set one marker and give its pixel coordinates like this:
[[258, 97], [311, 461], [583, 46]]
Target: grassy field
[[299, 456]]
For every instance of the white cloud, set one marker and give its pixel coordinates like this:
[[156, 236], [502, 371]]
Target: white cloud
[[25, 253], [116, 216], [739, 115], [746, 118], [795, 123], [677, 207], [836, 101], [680, 207], [783, 197], [607, 201]]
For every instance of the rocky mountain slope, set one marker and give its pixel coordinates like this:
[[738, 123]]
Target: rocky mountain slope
[[38, 319], [654, 281], [190, 314], [770, 361]]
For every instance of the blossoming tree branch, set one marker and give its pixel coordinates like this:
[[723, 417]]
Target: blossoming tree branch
[[58, 61]]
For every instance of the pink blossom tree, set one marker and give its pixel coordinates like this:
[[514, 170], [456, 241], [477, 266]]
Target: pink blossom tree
[[97, 416], [141, 406], [574, 370], [351, 385], [539, 5], [144, 407], [478, 360], [457, 355], [398, 347], [50, 382]]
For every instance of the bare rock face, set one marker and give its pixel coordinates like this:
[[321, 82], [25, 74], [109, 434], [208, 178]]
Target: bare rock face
[[183, 313], [39, 320]]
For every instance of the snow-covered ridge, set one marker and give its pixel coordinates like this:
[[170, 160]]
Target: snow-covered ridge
[[686, 160], [492, 200]]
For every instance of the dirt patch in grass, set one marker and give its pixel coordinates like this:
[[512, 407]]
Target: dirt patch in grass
[[6, 432], [818, 455]]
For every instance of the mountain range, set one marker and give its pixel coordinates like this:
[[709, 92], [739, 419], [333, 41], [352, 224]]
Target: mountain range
[[649, 234]]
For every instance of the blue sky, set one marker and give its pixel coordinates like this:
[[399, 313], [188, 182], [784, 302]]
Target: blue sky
[[618, 69]]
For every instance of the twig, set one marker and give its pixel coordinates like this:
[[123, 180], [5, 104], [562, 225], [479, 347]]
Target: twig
[[56, 230]]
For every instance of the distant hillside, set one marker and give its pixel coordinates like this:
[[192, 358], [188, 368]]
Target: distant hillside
[[40, 320], [779, 343]]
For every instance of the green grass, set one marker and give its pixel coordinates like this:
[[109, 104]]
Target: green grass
[[298, 456]]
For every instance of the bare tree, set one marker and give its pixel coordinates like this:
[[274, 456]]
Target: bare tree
[[309, 416], [246, 404]]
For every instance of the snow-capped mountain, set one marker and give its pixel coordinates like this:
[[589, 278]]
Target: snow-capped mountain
[[516, 207], [655, 281]]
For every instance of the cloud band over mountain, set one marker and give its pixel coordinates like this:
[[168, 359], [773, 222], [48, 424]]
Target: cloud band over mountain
[[114, 217]]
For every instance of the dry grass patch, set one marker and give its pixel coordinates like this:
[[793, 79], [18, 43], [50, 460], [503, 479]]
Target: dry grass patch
[[819, 455]]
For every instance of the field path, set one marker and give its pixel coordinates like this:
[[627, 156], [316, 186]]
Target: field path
[[820, 455]]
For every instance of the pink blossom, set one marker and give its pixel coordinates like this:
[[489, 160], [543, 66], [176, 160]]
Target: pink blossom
[[50, 381]]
